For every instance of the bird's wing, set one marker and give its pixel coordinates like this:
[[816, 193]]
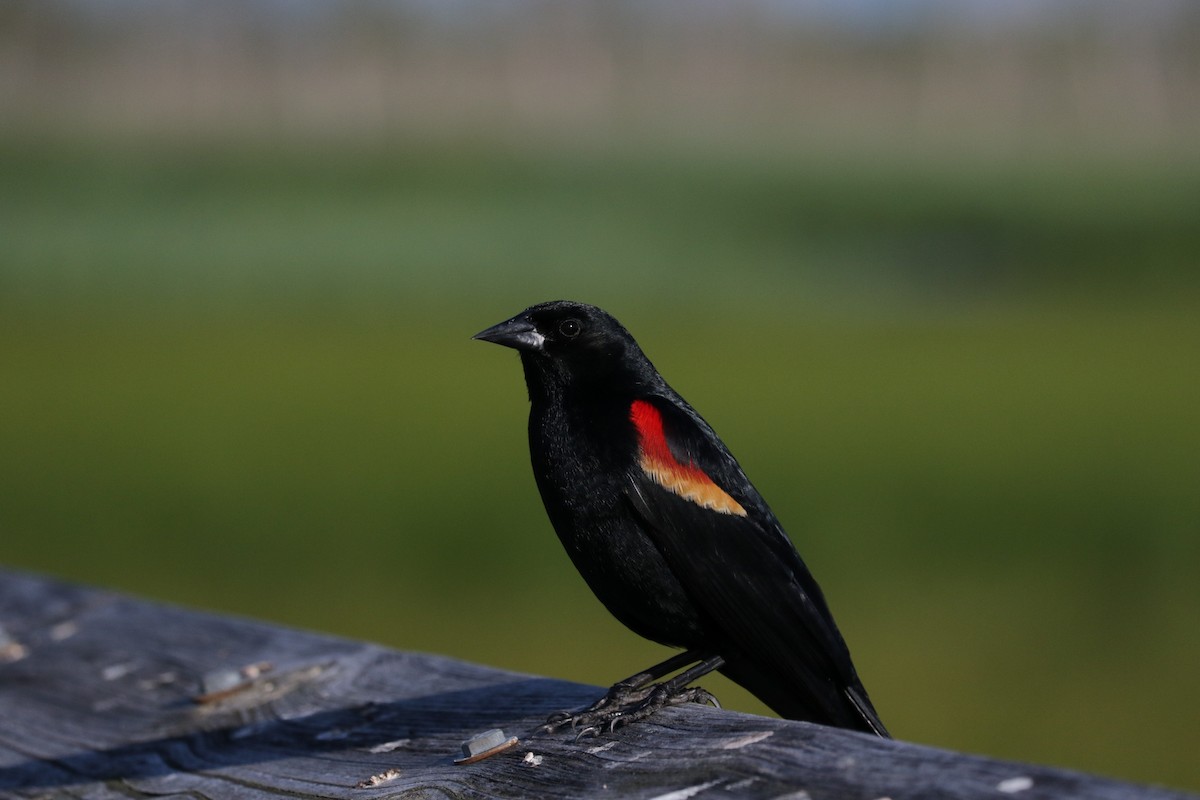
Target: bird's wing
[[726, 548]]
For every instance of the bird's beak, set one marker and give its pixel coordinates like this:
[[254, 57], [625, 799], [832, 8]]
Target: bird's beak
[[518, 333]]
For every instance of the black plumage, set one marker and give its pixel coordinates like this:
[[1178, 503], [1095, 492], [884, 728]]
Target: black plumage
[[674, 540]]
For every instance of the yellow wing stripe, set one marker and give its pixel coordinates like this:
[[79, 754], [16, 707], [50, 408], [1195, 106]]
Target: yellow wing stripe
[[659, 463]]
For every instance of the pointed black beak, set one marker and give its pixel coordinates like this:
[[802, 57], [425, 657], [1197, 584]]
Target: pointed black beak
[[518, 333]]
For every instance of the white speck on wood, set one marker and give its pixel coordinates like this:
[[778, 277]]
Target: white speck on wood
[[159, 680], [531, 760], [12, 651], [737, 786], [744, 741], [635, 757], [256, 670], [64, 630], [376, 780], [799, 795], [684, 794], [1014, 785], [388, 747], [602, 747], [115, 671]]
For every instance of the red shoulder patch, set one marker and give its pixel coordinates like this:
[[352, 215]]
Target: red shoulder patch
[[659, 463]]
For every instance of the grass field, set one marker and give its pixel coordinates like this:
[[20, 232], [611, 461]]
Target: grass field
[[244, 382]]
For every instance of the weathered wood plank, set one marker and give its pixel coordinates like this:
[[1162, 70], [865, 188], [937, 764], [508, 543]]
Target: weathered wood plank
[[97, 700]]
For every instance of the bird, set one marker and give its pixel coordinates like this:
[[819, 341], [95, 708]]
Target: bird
[[668, 532]]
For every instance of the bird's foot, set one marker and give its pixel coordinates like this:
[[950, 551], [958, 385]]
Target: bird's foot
[[624, 704], [620, 695]]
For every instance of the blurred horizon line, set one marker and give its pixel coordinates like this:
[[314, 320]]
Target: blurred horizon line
[[1070, 77]]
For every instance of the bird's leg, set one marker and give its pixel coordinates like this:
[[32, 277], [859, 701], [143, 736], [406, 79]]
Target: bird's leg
[[637, 697], [622, 692], [671, 692]]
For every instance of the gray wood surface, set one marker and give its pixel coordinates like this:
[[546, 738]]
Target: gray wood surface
[[98, 700]]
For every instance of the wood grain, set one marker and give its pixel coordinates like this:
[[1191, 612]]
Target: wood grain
[[98, 700]]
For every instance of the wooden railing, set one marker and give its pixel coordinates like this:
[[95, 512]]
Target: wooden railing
[[106, 696]]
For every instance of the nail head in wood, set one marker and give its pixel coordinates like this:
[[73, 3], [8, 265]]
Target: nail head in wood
[[484, 745]]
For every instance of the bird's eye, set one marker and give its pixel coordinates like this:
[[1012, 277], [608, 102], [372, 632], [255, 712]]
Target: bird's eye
[[569, 328]]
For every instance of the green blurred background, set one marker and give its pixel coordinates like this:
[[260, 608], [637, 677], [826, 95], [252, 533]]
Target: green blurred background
[[931, 269]]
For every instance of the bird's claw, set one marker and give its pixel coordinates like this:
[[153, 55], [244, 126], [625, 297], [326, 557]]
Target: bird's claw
[[704, 697], [619, 708], [590, 732], [557, 719]]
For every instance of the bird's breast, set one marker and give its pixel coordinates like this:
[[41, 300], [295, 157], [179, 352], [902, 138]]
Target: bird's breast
[[582, 473]]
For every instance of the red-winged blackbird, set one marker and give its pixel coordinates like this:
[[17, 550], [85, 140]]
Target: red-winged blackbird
[[669, 533]]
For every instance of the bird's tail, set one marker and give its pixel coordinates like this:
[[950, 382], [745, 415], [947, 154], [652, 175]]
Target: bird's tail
[[860, 702]]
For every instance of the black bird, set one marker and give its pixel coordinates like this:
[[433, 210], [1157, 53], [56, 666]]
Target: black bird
[[666, 529]]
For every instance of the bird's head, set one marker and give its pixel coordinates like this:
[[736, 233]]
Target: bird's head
[[567, 343]]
